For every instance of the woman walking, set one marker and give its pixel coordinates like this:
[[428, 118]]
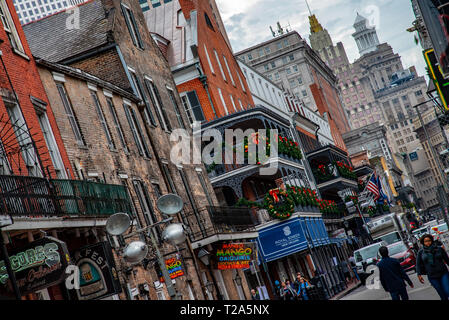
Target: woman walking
[[432, 260]]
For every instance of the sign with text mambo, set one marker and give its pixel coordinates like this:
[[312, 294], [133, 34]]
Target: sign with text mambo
[[97, 273], [39, 265], [234, 255], [174, 268]]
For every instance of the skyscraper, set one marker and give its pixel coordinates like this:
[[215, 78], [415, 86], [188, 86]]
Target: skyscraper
[[30, 10]]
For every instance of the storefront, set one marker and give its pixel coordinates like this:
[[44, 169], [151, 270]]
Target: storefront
[[300, 244]]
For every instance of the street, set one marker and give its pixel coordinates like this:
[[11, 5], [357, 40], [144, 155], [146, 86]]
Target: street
[[419, 292]]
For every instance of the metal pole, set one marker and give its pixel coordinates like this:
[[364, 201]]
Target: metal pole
[[12, 276], [219, 297], [168, 282]]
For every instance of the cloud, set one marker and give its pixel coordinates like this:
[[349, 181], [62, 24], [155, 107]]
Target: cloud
[[248, 22]]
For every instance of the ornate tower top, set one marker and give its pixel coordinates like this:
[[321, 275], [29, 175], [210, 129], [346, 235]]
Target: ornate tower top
[[365, 36]]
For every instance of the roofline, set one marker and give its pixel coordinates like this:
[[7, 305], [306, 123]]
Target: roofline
[[266, 42], [79, 74]]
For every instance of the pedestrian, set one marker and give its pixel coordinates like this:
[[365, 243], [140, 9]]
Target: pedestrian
[[345, 270], [393, 276], [353, 267], [255, 295], [287, 292], [302, 289], [277, 290], [431, 261]]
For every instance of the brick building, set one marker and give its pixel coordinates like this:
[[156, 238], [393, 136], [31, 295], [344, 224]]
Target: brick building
[[35, 172], [119, 50]]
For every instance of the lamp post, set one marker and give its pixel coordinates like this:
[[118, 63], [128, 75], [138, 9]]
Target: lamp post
[[6, 220], [238, 282], [136, 251], [204, 256]]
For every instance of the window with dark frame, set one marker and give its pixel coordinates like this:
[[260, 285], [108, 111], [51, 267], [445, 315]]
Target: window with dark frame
[[103, 120], [70, 114], [155, 98], [132, 27], [117, 125], [147, 207], [208, 22], [137, 131], [192, 107], [176, 108], [140, 92]]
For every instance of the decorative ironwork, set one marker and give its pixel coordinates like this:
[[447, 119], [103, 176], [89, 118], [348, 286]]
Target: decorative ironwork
[[39, 197]]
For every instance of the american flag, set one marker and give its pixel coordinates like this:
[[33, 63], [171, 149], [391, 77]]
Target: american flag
[[373, 187]]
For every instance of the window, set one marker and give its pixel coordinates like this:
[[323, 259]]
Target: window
[[149, 118], [295, 68], [136, 130], [102, 120], [208, 22], [229, 70], [241, 82], [233, 102], [117, 125], [273, 64], [24, 140], [219, 64], [223, 101], [291, 57], [192, 107], [176, 108], [40, 108], [132, 26], [250, 56], [70, 114], [147, 207], [10, 28], [418, 93], [208, 60], [157, 103]]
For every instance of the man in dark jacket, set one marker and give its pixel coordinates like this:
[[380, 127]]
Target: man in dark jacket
[[392, 276]]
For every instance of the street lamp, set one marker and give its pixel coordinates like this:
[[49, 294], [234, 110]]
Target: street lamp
[[136, 251], [204, 257]]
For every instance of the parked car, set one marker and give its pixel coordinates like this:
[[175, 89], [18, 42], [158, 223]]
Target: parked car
[[404, 254], [367, 256], [418, 233], [389, 238]]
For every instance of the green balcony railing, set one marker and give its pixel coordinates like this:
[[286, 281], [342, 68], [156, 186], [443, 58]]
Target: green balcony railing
[[39, 197]]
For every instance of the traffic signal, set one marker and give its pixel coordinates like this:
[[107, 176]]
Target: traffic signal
[[441, 84]]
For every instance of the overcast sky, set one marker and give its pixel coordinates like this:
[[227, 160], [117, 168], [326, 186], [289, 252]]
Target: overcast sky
[[248, 21]]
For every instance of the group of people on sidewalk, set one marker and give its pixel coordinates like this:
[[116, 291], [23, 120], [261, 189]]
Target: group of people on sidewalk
[[432, 260]]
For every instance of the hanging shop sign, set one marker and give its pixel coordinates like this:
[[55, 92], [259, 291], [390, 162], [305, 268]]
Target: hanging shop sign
[[174, 267], [98, 274], [234, 255], [39, 265]]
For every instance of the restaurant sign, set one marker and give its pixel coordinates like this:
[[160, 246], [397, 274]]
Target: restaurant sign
[[234, 255], [39, 265], [174, 268]]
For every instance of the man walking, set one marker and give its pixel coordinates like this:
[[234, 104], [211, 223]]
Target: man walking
[[392, 276]]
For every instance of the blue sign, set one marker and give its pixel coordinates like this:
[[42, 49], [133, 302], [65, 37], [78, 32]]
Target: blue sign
[[281, 240], [413, 156]]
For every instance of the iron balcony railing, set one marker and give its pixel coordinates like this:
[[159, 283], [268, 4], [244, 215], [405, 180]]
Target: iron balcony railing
[[39, 197], [210, 221]]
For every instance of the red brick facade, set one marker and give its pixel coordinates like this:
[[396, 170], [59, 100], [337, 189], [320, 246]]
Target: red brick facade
[[22, 71], [214, 40]]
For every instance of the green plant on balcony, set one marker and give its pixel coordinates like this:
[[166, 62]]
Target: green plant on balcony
[[328, 207], [371, 211], [289, 148], [361, 184], [250, 204], [345, 170], [211, 167], [279, 204], [354, 199], [323, 173], [303, 196]]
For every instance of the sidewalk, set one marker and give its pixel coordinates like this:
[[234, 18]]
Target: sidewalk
[[349, 289]]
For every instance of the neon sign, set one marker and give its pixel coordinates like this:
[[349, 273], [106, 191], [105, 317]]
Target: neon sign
[[174, 267], [234, 255]]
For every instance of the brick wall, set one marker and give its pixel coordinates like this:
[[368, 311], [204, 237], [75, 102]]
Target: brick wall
[[26, 82]]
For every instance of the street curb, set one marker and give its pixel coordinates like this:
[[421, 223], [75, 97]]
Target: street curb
[[344, 294]]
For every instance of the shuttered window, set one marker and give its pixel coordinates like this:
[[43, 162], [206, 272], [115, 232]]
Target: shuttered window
[[103, 120], [117, 125], [176, 108], [70, 114], [158, 104], [137, 132], [132, 26]]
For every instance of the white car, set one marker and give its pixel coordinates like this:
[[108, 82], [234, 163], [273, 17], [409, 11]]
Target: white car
[[367, 255]]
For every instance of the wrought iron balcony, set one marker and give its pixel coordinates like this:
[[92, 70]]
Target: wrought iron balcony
[[220, 223], [24, 196], [332, 177]]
